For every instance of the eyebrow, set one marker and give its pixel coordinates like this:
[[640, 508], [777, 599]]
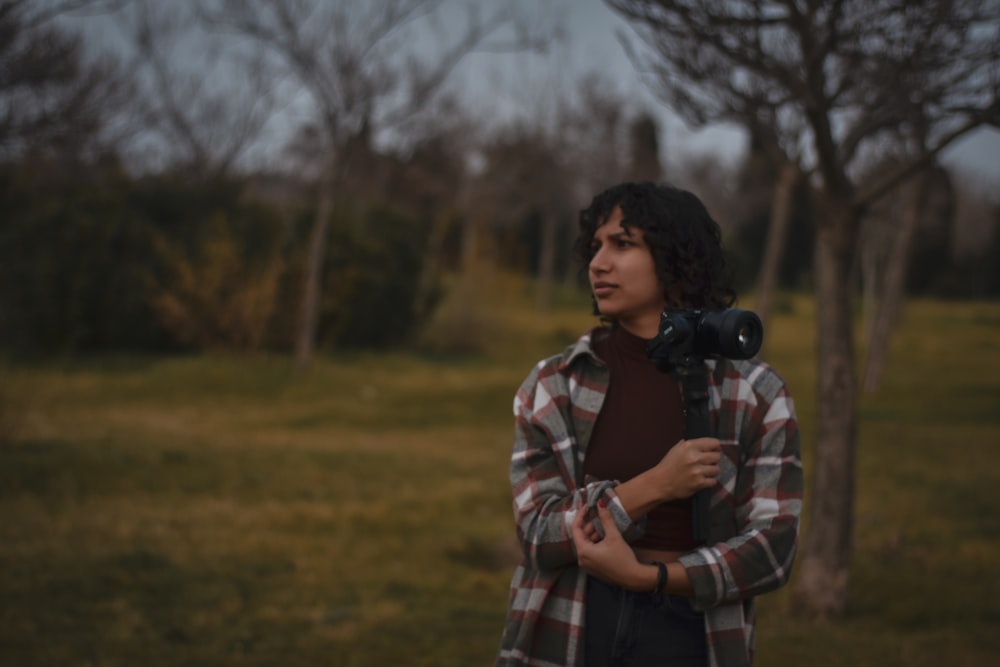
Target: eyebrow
[[625, 233]]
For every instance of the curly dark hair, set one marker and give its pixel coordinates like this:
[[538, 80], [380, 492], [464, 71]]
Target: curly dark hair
[[686, 243]]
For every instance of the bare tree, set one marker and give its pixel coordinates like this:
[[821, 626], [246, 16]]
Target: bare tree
[[889, 233], [578, 137], [527, 177], [360, 65], [53, 96], [782, 209], [975, 235], [755, 105], [769, 186], [833, 78], [203, 100], [595, 134], [644, 144]]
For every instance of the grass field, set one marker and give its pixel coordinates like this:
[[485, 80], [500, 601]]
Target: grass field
[[229, 511]]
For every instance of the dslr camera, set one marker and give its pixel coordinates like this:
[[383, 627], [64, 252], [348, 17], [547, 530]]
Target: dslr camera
[[687, 337]]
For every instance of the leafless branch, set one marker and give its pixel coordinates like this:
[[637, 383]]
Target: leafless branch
[[208, 121]]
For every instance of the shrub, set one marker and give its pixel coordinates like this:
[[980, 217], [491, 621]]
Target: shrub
[[378, 287], [220, 297]]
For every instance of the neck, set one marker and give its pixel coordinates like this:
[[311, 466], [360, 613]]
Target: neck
[[646, 327]]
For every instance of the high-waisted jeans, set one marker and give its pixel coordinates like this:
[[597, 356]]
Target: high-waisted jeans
[[629, 629]]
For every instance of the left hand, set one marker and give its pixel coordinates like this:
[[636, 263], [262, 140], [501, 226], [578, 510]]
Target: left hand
[[609, 558]]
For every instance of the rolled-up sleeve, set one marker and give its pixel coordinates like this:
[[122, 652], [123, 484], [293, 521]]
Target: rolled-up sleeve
[[545, 472]]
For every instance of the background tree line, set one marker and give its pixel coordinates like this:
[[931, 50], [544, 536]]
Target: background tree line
[[133, 220]]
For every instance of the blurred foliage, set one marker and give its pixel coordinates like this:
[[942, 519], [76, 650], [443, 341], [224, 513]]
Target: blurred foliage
[[74, 263], [374, 295], [745, 244], [99, 261], [217, 299]]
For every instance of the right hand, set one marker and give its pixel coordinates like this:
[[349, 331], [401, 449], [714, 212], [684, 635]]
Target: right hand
[[689, 467], [609, 558]]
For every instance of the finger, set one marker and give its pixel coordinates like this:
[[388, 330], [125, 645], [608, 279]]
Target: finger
[[578, 525], [608, 521], [595, 530], [707, 444]]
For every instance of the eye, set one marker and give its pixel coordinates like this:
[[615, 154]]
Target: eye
[[624, 243]]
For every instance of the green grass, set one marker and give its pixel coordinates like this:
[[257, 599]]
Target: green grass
[[230, 511]]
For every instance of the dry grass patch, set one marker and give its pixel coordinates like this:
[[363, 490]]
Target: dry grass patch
[[224, 511]]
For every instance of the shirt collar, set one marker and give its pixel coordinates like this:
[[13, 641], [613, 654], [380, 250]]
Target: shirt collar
[[583, 347]]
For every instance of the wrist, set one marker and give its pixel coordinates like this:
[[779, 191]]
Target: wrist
[[645, 578], [661, 579], [655, 486], [658, 485]]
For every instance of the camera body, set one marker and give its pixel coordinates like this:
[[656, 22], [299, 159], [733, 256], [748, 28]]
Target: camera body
[[688, 336]]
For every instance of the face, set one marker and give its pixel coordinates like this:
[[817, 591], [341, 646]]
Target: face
[[623, 277]]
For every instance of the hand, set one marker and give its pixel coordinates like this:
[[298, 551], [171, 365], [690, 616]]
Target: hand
[[610, 557], [689, 467]]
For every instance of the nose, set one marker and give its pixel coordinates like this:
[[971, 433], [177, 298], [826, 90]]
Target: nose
[[599, 262]]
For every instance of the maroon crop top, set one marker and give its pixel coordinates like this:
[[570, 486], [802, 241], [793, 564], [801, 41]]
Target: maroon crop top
[[641, 419]]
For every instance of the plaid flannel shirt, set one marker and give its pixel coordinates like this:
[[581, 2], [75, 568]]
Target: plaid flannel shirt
[[753, 517]]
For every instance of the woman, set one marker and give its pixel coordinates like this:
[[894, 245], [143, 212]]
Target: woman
[[602, 477]]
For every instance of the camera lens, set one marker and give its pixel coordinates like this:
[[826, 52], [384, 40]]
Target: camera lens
[[735, 333], [746, 337]]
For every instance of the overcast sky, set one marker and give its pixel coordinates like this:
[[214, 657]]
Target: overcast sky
[[513, 84], [592, 45]]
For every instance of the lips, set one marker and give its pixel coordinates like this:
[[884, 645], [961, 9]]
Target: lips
[[602, 289]]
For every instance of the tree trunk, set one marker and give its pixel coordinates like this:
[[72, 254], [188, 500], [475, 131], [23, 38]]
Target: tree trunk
[[427, 286], [894, 286], [777, 237], [469, 283], [823, 570], [870, 281], [546, 263], [312, 287]]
